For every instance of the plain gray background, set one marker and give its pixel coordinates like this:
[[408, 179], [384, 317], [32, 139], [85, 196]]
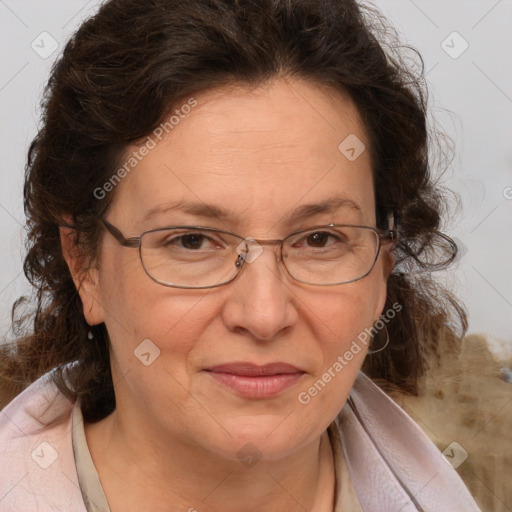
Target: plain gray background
[[467, 48]]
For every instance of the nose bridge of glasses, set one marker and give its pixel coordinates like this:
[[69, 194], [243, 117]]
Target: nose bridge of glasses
[[250, 248]]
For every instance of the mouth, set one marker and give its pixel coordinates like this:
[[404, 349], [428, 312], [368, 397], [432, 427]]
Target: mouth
[[254, 381]]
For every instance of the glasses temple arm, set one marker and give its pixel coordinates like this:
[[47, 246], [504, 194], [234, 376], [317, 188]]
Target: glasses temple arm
[[125, 242]]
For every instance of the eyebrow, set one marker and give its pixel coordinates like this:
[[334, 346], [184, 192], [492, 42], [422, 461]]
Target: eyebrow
[[200, 209]]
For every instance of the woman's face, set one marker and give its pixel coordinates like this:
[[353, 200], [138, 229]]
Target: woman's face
[[260, 155]]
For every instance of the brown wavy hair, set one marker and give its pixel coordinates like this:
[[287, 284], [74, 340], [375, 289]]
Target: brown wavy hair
[[126, 68]]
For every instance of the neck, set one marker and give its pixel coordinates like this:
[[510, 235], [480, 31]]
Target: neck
[[138, 472]]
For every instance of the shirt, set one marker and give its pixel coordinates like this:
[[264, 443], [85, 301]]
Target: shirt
[[383, 461]]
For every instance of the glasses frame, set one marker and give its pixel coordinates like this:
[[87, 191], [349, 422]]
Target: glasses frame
[[384, 236]]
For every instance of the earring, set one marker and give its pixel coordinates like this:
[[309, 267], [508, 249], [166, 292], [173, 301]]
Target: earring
[[370, 352], [90, 335]]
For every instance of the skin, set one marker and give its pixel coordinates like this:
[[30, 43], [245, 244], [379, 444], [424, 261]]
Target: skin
[[175, 433]]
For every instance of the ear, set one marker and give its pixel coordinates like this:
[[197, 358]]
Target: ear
[[86, 279], [387, 257]]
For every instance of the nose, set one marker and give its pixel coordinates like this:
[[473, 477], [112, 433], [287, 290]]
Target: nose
[[260, 300]]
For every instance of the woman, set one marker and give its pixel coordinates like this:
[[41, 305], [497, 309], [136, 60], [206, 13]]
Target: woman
[[228, 205]]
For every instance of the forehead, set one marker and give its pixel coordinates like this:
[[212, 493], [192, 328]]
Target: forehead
[[259, 153]]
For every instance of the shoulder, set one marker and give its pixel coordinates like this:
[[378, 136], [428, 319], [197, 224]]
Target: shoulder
[[38, 466]]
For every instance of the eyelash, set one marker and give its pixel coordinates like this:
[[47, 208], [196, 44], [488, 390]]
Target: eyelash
[[305, 236]]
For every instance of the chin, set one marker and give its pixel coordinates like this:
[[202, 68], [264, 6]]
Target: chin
[[265, 438]]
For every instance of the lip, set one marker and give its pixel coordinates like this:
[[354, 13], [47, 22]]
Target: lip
[[253, 370], [254, 381]]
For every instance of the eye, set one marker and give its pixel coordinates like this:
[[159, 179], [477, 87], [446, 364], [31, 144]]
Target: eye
[[190, 241], [318, 239], [321, 239]]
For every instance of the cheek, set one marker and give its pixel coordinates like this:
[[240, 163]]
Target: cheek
[[137, 309], [349, 324], [344, 318], [343, 321], [352, 307]]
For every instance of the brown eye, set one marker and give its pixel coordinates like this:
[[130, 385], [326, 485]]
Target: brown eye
[[189, 241], [321, 240], [192, 241], [318, 239]]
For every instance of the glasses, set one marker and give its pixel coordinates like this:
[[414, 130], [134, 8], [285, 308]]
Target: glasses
[[201, 257]]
